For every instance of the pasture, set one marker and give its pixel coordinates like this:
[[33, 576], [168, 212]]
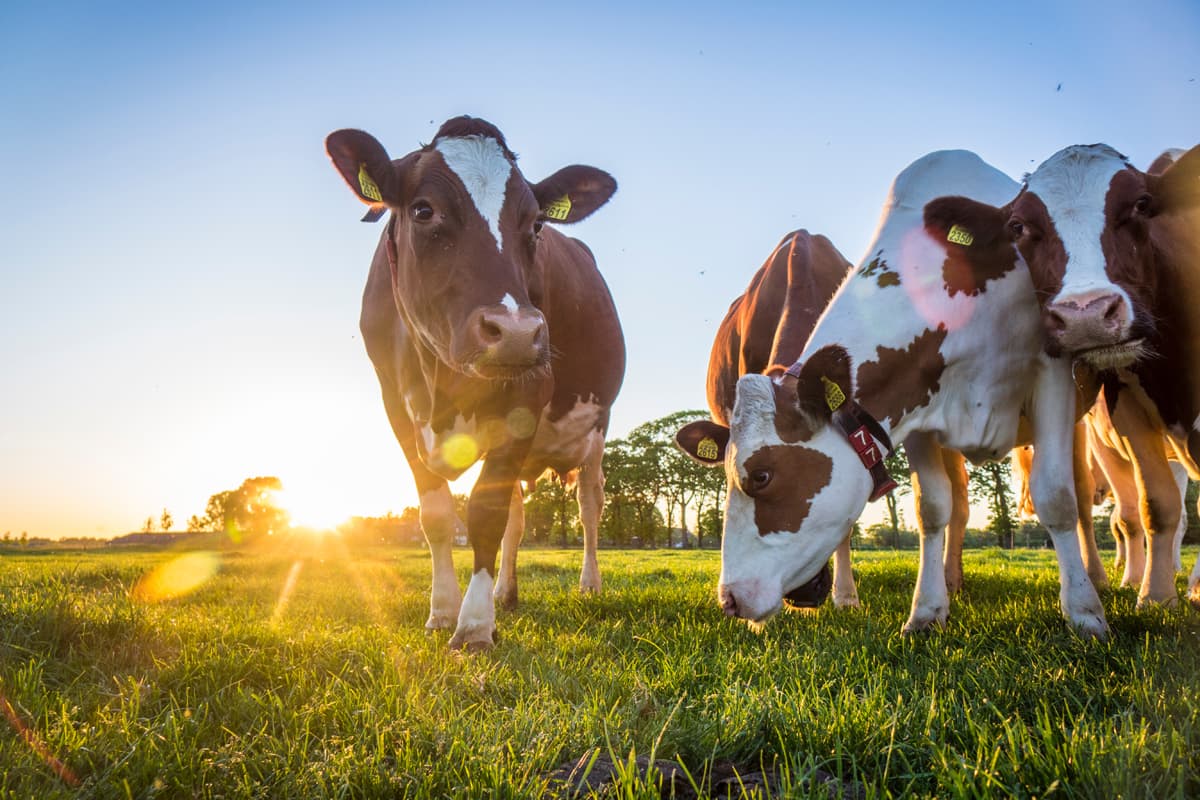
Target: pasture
[[309, 675]]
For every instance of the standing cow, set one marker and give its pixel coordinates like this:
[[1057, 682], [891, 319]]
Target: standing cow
[[1116, 253], [494, 337], [945, 352]]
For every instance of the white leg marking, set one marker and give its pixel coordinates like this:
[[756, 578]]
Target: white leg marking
[[439, 522], [591, 503], [477, 620]]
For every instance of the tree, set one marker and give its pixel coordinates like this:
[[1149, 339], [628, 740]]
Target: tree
[[898, 467], [549, 507], [249, 510], [990, 484], [166, 521], [148, 525], [195, 523]]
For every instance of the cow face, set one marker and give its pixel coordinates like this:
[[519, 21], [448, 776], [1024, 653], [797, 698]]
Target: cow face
[[1083, 223], [463, 238], [795, 486]]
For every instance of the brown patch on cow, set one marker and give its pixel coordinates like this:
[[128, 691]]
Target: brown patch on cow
[[977, 244], [791, 425], [1040, 245], [901, 381], [798, 474], [878, 269], [887, 279]]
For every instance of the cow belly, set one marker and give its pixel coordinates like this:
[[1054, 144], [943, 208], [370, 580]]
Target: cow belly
[[565, 443]]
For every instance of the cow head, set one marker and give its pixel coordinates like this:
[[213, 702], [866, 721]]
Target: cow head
[[1083, 223], [795, 485], [463, 237]]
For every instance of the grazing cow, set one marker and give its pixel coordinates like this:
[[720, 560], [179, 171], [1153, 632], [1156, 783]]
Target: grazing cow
[[493, 338], [935, 340], [764, 331], [1114, 251]]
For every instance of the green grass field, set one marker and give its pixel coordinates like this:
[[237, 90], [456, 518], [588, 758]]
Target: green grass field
[[311, 676]]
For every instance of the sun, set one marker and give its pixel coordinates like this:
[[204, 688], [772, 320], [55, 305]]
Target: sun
[[308, 510]]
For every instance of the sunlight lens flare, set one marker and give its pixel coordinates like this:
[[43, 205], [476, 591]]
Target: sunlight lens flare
[[177, 577], [285, 594], [460, 451]]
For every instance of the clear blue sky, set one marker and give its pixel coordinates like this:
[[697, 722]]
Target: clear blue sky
[[181, 268]]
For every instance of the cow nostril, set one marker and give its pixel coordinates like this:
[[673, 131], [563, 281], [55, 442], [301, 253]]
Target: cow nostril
[[729, 604], [1115, 312], [1055, 322], [490, 331]]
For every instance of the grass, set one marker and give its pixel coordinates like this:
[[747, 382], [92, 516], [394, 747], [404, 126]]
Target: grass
[[334, 690]]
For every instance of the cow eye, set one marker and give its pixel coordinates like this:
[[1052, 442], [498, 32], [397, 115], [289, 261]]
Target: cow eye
[[422, 211], [758, 480], [1016, 228], [537, 227], [1142, 204]]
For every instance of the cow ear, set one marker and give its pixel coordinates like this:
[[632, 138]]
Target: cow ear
[[822, 383], [365, 166], [962, 222], [573, 193], [704, 441], [1178, 188]]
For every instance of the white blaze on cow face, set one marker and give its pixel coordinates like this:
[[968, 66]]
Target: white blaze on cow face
[[778, 537], [480, 163], [1089, 309]]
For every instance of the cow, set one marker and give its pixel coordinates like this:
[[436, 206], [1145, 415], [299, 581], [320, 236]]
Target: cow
[[764, 331], [934, 340], [494, 338], [1114, 251]]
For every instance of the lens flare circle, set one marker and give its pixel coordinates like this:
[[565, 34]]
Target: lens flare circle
[[175, 578]]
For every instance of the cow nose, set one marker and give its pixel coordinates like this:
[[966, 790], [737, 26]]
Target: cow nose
[[1081, 323], [728, 601], [510, 337]]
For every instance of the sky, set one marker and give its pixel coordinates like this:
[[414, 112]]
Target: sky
[[181, 268]]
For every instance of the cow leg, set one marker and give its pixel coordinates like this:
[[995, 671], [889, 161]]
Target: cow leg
[[1194, 578], [1052, 487], [1085, 488], [1118, 531], [439, 523], [934, 498], [845, 593], [506, 582], [1161, 510], [960, 510], [591, 504], [1181, 483], [487, 518]]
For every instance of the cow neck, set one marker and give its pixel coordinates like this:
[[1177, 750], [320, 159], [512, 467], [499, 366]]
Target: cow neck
[[864, 433]]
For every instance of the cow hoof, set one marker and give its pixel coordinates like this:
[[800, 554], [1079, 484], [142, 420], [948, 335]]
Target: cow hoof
[[1091, 627], [589, 589], [846, 602], [507, 599], [925, 621], [473, 641], [1170, 601], [440, 622]]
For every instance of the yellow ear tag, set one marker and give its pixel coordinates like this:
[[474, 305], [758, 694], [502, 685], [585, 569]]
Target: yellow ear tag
[[834, 396], [960, 236], [559, 209], [367, 186], [708, 450]]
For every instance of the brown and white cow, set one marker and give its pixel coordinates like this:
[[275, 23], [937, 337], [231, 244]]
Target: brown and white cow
[[944, 351], [494, 337], [764, 331], [1114, 251]]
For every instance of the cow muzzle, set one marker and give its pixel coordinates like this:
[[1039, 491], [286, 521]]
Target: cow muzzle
[[1093, 327], [506, 343]]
